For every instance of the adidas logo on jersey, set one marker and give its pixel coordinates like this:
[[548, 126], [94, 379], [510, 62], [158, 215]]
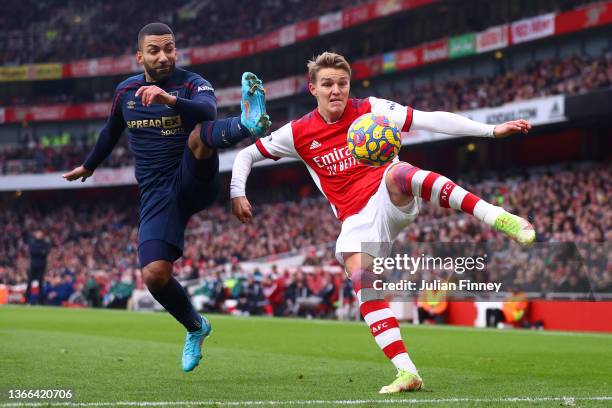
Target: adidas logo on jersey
[[315, 145]]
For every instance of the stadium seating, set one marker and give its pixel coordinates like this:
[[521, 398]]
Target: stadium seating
[[569, 76], [40, 31], [572, 75], [98, 240]]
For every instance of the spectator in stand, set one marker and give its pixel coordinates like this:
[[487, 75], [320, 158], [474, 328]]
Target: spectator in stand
[[91, 291], [59, 289], [252, 300], [348, 306], [327, 293], [212, 293], [432, 305], [274, 289], [512, 313], [299, 297], [39, 250], [120, 291]]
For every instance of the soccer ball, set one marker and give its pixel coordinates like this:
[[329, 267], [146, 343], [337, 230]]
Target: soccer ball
[[373, 139]]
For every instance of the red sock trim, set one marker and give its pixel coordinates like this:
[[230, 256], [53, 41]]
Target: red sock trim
[[469, 202], [428, 185], [372, 306], [395, 348]]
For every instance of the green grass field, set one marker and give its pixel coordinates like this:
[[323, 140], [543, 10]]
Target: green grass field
[[112, 356]]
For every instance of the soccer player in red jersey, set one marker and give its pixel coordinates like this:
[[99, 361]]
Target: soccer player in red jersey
[[373, 203]]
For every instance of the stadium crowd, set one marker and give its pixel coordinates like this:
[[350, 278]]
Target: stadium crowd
[[68, 30], [568, 76], [36, 156], [43, 31], [573, 75], [93, 244]]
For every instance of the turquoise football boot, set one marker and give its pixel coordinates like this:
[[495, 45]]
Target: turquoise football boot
[[253, 106], [192, 349]]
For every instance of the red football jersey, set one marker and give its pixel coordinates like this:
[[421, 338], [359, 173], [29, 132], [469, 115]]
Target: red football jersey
[[322, 146]]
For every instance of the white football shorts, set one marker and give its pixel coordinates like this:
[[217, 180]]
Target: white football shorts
[[373, 229]]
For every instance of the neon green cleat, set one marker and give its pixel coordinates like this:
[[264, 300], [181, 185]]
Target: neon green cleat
[[405, 381], [517, 228]]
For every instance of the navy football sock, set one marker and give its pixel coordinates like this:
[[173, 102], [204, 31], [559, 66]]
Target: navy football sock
[[223, 132], [174, 299]]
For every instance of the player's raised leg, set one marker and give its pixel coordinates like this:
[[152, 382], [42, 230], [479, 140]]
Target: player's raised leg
[[252, 124], [157, 275], [405, 181], [383, 324]]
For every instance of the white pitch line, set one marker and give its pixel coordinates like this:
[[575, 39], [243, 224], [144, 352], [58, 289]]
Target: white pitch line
[[565, 400]]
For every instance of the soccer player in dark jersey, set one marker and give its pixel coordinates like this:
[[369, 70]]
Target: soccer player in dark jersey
[[170, 116]]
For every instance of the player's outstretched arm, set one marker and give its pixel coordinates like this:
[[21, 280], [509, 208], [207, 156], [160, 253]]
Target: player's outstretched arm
[[109, 136], [78, 173], [243, 163], [512, 127], [453, 124]]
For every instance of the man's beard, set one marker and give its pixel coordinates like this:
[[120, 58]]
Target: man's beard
[[157, 75]]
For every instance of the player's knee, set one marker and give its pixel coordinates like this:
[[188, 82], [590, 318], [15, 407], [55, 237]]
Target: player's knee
[[156, 274], [356, 264], [398, 173], [352, 263], [396, 180], [195, 144], [364, 279]]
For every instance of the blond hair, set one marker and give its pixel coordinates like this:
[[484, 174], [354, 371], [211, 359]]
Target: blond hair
[[327, 60]]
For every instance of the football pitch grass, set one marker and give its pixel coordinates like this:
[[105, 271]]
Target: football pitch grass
[[133, 359]]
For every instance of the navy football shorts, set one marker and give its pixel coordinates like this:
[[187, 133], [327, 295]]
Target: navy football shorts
[[194, 187]]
